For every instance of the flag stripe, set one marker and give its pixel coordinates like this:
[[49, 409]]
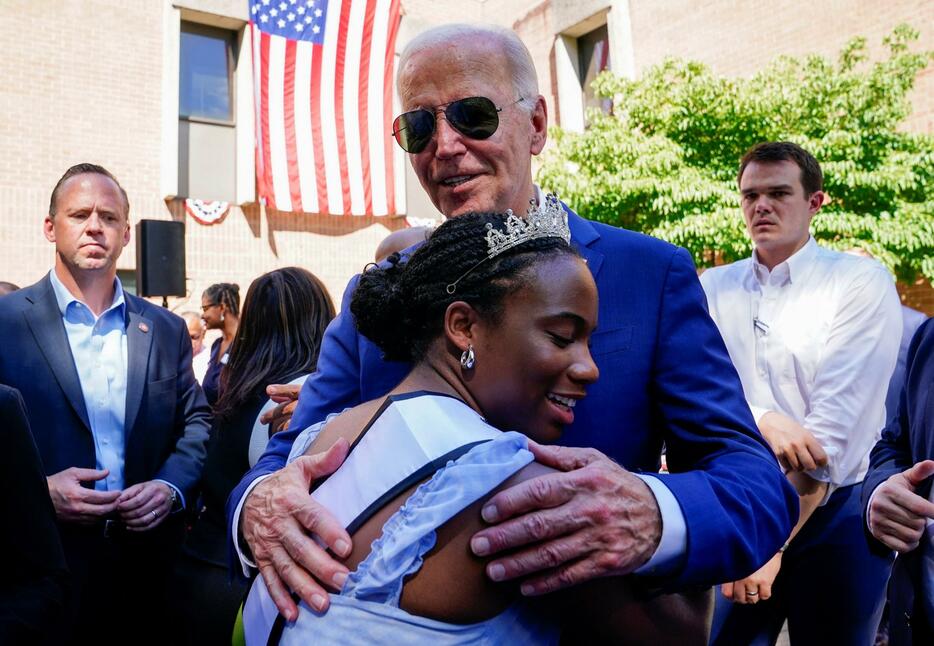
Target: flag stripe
[[392, 155], [363, 106], [340, 57], [316, 129], [304, 146], [264, 112], [354, 89], [288, 109]]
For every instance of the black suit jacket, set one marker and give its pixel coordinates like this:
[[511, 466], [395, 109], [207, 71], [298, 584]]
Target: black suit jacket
[[33, 585], [907, 439]]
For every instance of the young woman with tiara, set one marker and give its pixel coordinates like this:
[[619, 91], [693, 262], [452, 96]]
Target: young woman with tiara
[[495, 313]]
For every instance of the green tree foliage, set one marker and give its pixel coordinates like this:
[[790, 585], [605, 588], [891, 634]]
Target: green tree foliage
[[665, 161]]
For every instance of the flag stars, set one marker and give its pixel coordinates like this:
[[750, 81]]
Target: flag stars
[[282, 6], [291, 17], [264, 18], [254, 8], [265, 3], [281, 23], [298, 26], [273, 12], [300, 11], [317, 13], [316, 29], [308, 19]]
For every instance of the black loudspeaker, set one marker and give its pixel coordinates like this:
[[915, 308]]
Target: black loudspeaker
[[160, 258]]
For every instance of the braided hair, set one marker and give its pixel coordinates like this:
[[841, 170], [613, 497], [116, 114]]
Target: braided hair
[[227, 294], [400, 305]]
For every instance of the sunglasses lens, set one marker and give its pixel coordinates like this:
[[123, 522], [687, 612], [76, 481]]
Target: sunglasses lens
[[476, 117], [413, 130]]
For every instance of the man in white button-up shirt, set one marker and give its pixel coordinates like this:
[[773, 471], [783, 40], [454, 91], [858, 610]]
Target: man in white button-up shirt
[[814, 335]]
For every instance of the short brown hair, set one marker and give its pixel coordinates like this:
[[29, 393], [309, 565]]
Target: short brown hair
[[812, 179], [81, 169]]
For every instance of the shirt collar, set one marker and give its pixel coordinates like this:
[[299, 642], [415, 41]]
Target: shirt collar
[[64, 298], [787, 271]]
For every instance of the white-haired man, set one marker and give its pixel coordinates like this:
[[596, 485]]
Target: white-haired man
[[473, 120]]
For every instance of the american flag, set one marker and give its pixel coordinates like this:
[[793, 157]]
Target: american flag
[[323, 74]]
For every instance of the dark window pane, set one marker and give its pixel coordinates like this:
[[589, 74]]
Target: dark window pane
[[594, 57], [204, 75]]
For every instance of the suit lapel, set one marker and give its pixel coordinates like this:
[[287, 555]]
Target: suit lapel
[[45, 321], [138, 343], [584, 234]]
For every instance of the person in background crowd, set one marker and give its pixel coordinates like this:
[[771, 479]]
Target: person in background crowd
[[200, 355], [120, 422], [814, 336], [34, 585], [7, 288], [899, 501], [400, 240], [285, 313], [220, 307], [473, 120]]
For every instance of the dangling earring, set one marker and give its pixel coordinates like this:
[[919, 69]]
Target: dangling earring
[[468, 359], [222, 317]]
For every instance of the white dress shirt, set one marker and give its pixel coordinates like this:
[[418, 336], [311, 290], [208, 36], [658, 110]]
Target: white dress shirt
[[815, 339]]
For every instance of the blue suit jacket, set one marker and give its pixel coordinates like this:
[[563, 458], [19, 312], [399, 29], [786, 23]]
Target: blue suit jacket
[[665, 377], [167, 417], [907, 439]]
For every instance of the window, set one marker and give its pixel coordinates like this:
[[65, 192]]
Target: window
[[593, 51], [206, 116], [206, 73]]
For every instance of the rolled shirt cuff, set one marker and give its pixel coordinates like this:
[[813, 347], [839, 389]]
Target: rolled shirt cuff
[[674, 542]]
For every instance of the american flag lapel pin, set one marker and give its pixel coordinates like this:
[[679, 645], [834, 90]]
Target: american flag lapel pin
[[143, 328]]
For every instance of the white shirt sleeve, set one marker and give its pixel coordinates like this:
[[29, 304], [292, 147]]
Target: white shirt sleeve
[[856, 365], [674, 542], [245, 563]]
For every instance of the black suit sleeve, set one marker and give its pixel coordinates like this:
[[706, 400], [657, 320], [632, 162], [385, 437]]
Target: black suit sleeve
[[892, 454], [33, 585]]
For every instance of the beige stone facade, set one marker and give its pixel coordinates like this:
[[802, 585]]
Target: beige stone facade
[[97, 80]]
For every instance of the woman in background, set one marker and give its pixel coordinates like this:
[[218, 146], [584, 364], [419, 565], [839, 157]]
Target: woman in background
[[220, 310], [285, 314]]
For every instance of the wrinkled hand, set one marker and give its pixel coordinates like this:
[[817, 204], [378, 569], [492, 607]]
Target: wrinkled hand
[[278, 418], [145, 505], [595, 519], [76, 504], [276, 520], [757, 586], [897, 515], [793, 445]]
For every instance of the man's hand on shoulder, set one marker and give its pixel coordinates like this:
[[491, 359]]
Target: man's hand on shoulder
[[286, 396], [793, 445], [145, 505], [593, 519], [897, 515], [276, 519], [76, 504]]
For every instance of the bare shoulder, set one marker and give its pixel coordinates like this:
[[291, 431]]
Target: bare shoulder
[[348, 425]]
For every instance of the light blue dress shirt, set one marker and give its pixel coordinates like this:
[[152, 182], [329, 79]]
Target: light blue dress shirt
[[99, 348]]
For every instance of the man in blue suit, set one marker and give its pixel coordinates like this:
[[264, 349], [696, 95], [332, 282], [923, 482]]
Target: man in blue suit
[[474, 119], [117, 416], [897, 497]]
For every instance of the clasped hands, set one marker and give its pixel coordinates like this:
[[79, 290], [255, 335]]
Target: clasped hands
[[590, 519], [141, 507]]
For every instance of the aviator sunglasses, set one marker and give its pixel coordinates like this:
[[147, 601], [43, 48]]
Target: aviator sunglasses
[[475, 117]]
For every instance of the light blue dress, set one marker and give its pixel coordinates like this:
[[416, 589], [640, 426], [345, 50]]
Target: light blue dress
[[408, 439]]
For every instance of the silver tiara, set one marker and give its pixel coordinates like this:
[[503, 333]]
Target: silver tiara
[[547, 220]]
